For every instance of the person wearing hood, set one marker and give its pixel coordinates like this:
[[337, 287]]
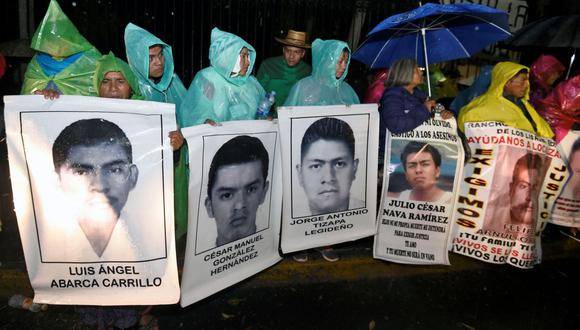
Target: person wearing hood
[[544, 73], [151, 60], [326, 85], [65, 62], [506, 101], [114, 79], [478, 87], [225, 90]]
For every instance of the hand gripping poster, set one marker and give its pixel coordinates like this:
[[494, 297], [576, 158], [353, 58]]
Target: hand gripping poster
[[507, 192], [235, 203], [566, 206], [421, 174], [330, 174], [93, 192]]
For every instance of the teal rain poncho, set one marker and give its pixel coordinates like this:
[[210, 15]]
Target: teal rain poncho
[[214, 93], [66, 60], [110, 63], [169, 89], [322, 87]]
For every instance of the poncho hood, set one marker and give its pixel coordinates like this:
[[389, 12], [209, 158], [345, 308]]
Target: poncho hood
[[501, 74], [137, 43], [57, 36], [108, 63], [224, 51], [325, 56]]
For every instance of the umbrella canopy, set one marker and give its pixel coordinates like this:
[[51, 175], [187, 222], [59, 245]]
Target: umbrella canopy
[[556, 31], [433, 33]]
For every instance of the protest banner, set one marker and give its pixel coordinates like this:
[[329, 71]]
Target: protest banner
[[330, 174], [505, 198], [235, 197], [422, 168], [92, 180], [565, 208]]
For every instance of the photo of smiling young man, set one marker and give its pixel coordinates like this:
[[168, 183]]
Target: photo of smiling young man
[[327, 169], [237, 186]]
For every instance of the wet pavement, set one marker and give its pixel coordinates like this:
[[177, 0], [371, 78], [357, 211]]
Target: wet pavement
[[359, 292]]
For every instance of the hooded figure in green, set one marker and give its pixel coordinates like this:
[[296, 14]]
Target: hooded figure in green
[[326, 85], [110, 63], [169, 88], [223, 91], [65, 61]]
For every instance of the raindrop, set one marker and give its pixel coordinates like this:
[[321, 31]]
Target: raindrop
[[74, 4]]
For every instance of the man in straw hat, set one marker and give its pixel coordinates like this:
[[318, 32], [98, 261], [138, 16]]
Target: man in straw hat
[[282, 72]]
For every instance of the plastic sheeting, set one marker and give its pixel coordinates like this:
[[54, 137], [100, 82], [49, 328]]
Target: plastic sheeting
[[217, 95], [492, 106], [322, 87], [560, 108], [58, 37], [544, 71], [110, 63]]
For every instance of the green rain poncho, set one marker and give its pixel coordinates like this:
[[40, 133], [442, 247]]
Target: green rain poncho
[[322, 87], [169, 89], [276, 75], [110, 63], [66, 60], [214, 93]]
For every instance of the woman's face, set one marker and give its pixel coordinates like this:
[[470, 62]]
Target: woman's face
[[417, 76]]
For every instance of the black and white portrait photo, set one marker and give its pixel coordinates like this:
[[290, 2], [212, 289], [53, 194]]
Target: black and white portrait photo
[[97, 190], [329, 165], [236, 188]]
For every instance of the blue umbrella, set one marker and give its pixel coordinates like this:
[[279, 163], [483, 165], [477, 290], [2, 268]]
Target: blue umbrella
[[433, 33]]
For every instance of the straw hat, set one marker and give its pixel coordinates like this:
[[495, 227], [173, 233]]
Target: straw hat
[[294, 38]]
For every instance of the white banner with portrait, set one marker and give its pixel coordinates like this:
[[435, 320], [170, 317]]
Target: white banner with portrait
[[507, 192], [92, 180], [235, 203], [566, 206], [330, 174], [421, 175]]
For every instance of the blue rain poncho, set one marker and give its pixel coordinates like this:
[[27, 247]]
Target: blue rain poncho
[[215, 93], [65, 60], [169, 89], [478, 87], [322, 87]]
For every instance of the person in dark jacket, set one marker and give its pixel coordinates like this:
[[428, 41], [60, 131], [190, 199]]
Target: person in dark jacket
[[403, 106]]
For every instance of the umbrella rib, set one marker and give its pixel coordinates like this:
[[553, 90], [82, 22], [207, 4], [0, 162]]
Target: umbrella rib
[[379, 53], [458, 42]]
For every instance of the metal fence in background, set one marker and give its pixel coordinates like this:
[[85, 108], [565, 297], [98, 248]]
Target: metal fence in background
[[186, 24]]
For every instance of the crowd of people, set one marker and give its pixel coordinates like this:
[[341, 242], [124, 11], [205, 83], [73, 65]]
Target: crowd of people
[[67, 64]]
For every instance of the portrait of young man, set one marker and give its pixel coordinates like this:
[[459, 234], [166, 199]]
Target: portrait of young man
[[94, 163], [327, 168], [422, 167], [237, 186]]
